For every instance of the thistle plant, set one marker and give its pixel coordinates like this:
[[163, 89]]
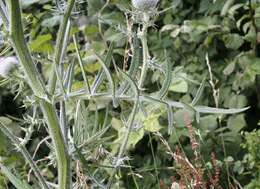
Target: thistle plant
[[66, 110], [144, 10]]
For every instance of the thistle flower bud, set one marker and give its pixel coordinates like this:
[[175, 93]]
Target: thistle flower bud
[[144, 4], [6, 65]]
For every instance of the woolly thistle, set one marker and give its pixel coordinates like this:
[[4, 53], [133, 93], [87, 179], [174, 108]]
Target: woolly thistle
[[144, 4], [6, 65]]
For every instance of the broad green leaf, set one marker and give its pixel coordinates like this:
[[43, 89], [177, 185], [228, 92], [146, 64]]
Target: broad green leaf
[[134, 137], [208, 123], [42, 44], [180, 86], [52, 21], [236, 123], [151, 122], [91, 30], [233, 41]]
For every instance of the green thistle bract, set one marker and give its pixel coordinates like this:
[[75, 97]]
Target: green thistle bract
[[144, 4]]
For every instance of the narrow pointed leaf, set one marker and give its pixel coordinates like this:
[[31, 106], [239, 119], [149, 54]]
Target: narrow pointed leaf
[[109, 77], [17, 182], [100, 76], [168, 78]]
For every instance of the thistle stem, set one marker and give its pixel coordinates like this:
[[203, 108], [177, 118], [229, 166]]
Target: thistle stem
[[60, 43], [3, 14], [25, 153], [143, 37], [39, 90]]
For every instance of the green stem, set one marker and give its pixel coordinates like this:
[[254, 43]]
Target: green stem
[[128, 131], [63, 159], [3, 13], [38, 88], [25, 153], [60, 43], [143, 38]]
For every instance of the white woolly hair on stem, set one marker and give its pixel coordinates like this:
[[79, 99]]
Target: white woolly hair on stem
[[7, 64], [144, 4]]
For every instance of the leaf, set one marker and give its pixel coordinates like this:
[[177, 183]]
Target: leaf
[[41, 44], [17, 182], [233, 41], [134, 67], [27, 3], [208, 123], [52, 21], [230, 68], [179, 86], [204, 109], [91, 30], [134, 137], [151, 123], [168, 78], [110, 79], [100, 76], [199, 93], [237, 101], [236, 123]]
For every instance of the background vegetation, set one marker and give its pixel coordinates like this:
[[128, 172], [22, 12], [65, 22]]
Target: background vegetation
[[211, 44]]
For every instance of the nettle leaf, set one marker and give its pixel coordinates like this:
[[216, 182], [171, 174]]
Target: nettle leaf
[[233, 41], [236, 123], [151, 122], [134, 137], [250, 66], [42, 44], [114, 18], [179, 84], [169, 27], [112, 35], [91, 31], [230, 68], [208, 123], [236, 101], [52, 21]]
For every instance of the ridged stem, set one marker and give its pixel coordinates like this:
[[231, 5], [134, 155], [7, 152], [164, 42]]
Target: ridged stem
[[3, 13], [20, 146], [38, 88], [60, 43], [143, 37]]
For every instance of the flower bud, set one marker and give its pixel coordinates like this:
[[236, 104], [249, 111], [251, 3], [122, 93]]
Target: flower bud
[[144, 4], [6, 65]]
